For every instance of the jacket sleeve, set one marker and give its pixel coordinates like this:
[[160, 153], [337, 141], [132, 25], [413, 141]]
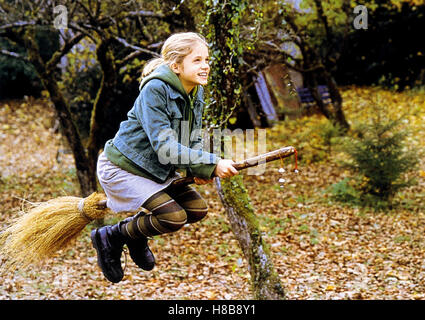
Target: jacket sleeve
[[153, 114], [205, 171], [201, 170]]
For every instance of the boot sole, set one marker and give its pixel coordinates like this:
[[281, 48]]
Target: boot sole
[[93, 236]]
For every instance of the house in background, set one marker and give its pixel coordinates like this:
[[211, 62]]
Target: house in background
[[272, 97], [277, 94]]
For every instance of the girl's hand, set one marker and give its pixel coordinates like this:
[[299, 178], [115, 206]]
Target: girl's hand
[[225, 169], [202, 181]]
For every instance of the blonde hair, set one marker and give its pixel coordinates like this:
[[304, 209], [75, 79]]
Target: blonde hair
[[174, 50]]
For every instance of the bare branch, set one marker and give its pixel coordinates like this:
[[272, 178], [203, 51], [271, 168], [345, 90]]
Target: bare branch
[[5, 8], [129, 57], [87, 10], [97, 10], [2, 10], [138, 53], [76, 27], [81, 28], [73, 8], [17, 25], [90, 3], [14, 55], [67, 46], [128, 45], [156, 45], [146, 14]]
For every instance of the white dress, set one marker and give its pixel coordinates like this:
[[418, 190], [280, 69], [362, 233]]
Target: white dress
[[126, 192]]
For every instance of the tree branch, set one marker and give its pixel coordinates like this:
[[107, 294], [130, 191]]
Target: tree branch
[[129, 57], [17, 25], [4, 7], [67, 46], [76, 27], [87, 10], [146, 14], [324, 20], [128, 45], [14, 55], [138, 51]]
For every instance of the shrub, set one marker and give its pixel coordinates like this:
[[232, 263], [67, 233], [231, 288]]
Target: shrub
[[344, 192], [381, 163]]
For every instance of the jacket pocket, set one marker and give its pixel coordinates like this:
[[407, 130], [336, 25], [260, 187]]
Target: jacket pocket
[[174, 110], [176, 117]]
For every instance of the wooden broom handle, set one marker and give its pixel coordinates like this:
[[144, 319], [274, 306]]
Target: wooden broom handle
[[251, 162]]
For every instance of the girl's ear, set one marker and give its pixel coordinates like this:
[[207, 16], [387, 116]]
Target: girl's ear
[[175, 67]]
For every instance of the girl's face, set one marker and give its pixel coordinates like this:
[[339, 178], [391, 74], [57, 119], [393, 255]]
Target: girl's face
[[194, 68]]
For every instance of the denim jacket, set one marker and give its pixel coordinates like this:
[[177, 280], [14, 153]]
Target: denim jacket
[[157, 135]]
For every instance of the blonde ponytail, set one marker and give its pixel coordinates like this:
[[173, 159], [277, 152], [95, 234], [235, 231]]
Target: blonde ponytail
[[151, 66]]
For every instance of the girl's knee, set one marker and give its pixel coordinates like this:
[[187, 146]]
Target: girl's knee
[[198, 212], [173, 221]]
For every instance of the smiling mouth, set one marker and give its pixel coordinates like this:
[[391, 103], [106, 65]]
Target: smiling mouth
[[203, 74]]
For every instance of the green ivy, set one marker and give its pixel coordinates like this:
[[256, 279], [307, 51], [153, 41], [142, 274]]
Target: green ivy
[[223, 26]]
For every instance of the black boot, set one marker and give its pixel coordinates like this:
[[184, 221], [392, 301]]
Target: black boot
[[141, 254], [139, 249], [108, 242]]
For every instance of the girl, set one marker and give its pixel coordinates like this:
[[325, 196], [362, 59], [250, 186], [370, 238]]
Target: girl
[[138, 165]]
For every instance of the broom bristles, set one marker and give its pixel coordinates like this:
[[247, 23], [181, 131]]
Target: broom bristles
[[47, 228]]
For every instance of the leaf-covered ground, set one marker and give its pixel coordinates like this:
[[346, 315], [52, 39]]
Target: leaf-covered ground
[[320, 249]]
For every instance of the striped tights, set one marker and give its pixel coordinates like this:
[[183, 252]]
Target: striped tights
[[169, 210]]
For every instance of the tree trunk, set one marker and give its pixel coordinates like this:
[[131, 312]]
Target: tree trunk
[[264, 280], [104, 103], [85, 174], [336, 115], [312, 62], [224, 23]]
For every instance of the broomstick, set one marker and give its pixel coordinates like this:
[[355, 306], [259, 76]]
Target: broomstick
[[53, 225]]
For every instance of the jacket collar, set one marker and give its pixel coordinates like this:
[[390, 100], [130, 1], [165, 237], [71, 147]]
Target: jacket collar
[[174, 94]]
